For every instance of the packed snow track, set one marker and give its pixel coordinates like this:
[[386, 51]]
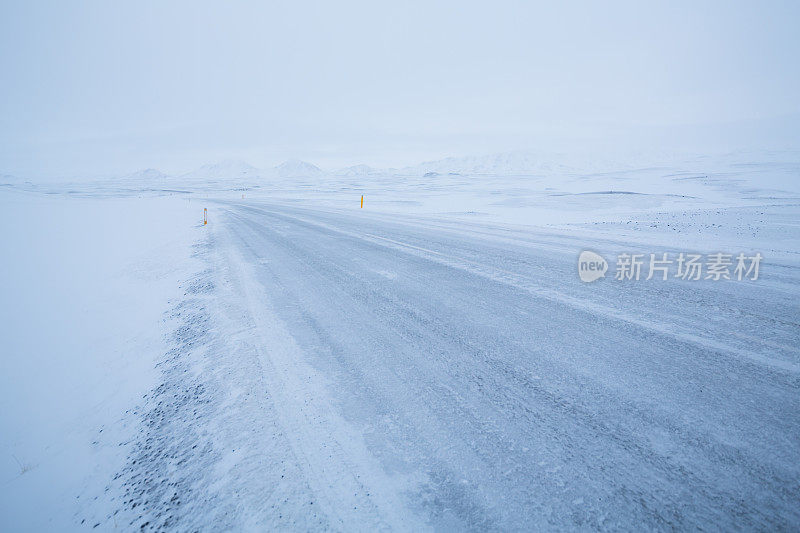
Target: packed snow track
[[442, 375]]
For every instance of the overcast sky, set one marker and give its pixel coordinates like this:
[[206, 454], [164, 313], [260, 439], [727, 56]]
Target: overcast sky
[[88, 88]]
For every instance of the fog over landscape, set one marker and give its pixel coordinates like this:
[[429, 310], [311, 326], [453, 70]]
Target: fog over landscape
[[99, 88], [367, 266]]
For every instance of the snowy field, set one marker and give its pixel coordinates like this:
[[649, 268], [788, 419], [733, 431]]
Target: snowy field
[[431, 361]]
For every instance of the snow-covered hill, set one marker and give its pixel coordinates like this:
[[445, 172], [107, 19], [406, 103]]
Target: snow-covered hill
[[228, 168], [510, 163], [294, 168], [148, 175], [357, 171]]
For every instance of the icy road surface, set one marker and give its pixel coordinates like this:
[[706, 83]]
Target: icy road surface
[[362, 372]]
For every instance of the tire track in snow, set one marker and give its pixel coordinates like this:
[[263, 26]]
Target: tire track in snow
[[353, 488]]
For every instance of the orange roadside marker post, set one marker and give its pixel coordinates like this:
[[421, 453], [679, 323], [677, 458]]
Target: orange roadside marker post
[[362, 201], [205, 216]]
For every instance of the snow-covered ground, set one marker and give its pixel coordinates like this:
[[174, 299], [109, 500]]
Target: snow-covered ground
[[84, 285], [431, 361]]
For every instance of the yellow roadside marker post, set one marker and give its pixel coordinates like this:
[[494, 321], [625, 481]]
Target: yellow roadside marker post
[[362, 201], [205, 216]]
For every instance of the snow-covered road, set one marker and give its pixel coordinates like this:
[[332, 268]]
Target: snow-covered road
[[458, 375]]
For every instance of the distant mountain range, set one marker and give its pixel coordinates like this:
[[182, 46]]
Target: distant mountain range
[[356, 170], [147, 174], [519, 163], [511, 163], [500, 164], [228, 168]]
